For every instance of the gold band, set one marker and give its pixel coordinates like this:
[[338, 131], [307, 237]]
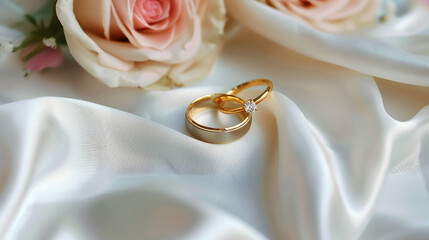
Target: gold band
[[216, 135], [251, 103]]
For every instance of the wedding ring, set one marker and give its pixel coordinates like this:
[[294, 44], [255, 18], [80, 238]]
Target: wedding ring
[[250, 105], [216, 135]]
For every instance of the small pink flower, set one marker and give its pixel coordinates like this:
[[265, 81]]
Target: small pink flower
[[425, 1], [47, 58]]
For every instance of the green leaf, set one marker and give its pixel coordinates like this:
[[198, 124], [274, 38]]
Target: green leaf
[[44, 27], [55, 24], [44, 11], [37, 49], [31, 19], [30, 39], [60, 38]]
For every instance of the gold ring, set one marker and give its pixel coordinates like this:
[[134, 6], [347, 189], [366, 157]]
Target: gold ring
[[250, 105], [216, 135]]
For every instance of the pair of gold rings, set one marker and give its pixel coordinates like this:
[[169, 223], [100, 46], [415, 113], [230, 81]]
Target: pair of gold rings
[[219, 101]]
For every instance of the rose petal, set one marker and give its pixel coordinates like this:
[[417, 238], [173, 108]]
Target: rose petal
[[179, 43], [158, 39], [95, 16], [165, 21], [331, 15], [137, 74], [127, 63], [152, 10]]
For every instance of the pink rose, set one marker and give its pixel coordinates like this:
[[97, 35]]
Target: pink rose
[[330, 15], [142, 42], [47, 57]]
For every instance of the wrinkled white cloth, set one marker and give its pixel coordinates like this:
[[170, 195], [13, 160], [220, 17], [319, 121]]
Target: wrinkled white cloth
[[397, 50], [331, 154]]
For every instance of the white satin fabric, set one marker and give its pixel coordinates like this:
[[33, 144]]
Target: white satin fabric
[[332, 154], [397, 50]]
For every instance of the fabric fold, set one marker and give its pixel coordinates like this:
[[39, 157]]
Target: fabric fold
[[375, 56]]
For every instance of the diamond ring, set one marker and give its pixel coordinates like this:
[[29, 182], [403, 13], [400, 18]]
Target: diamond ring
[[250, 105]]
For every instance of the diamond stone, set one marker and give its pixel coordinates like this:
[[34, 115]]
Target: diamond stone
[[249, 106]]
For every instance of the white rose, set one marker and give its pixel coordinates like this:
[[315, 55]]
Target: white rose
[[137, 43]]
